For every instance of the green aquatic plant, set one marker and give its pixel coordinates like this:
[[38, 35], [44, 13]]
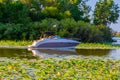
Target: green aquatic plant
[[70, 69], [97, 46], [80, 46], [15, 43]]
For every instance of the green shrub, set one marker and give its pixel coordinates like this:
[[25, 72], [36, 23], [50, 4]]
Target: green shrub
[[16, 12], [68, 28], [2, 30], [12, 32], [106, 31]]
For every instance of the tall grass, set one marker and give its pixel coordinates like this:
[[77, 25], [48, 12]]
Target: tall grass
[[80, 46], [15, 43], [97, 46]]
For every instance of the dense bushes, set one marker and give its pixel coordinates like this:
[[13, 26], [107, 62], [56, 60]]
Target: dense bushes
[[24, 11], [65, 28], [16, 12], [106, 32], [17, 21]]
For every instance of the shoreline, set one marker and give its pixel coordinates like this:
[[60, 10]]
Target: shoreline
[[11, 47], [95, 48], [25, 47]]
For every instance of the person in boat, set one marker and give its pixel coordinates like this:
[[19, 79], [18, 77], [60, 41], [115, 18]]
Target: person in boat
[[43, 36], [48, 34], [51, 37]]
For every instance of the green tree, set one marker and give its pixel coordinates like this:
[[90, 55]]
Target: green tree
[[13, 12], [106, 12], [1, 11], [80, 11], [59, 9]]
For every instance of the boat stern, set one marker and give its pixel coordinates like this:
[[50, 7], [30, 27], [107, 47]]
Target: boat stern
[[34, 45]]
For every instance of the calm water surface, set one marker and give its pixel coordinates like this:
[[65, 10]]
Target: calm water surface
[[49, 53]]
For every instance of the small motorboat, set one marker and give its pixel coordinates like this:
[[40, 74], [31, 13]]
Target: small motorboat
[[48, 40], [54, 42]]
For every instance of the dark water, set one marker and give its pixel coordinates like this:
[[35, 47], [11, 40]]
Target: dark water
[[16, 53], [49, 53]]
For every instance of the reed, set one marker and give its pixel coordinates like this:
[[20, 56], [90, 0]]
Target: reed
[[80, 46], [97, 46], [15, 43]]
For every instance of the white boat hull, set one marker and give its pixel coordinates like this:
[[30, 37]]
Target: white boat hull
[[54, 43]]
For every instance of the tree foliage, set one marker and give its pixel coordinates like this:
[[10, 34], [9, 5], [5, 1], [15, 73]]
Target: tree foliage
[[106, 12], [68, 28], [17, 11], [13, 12], [60, 9], [26, 19]]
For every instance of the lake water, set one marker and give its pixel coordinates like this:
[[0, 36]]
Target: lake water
[[50, 53]]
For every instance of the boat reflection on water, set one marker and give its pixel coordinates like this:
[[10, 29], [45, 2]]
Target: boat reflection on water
[[53, 53], [62, 53]]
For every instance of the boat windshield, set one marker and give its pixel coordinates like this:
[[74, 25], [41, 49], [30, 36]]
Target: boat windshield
[[57, 37]]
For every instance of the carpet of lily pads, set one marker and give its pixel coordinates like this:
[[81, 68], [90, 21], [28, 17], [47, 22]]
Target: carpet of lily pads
[[59, 69]]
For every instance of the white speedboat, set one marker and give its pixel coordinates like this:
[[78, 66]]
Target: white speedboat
[[54, 42], [116, 40]]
